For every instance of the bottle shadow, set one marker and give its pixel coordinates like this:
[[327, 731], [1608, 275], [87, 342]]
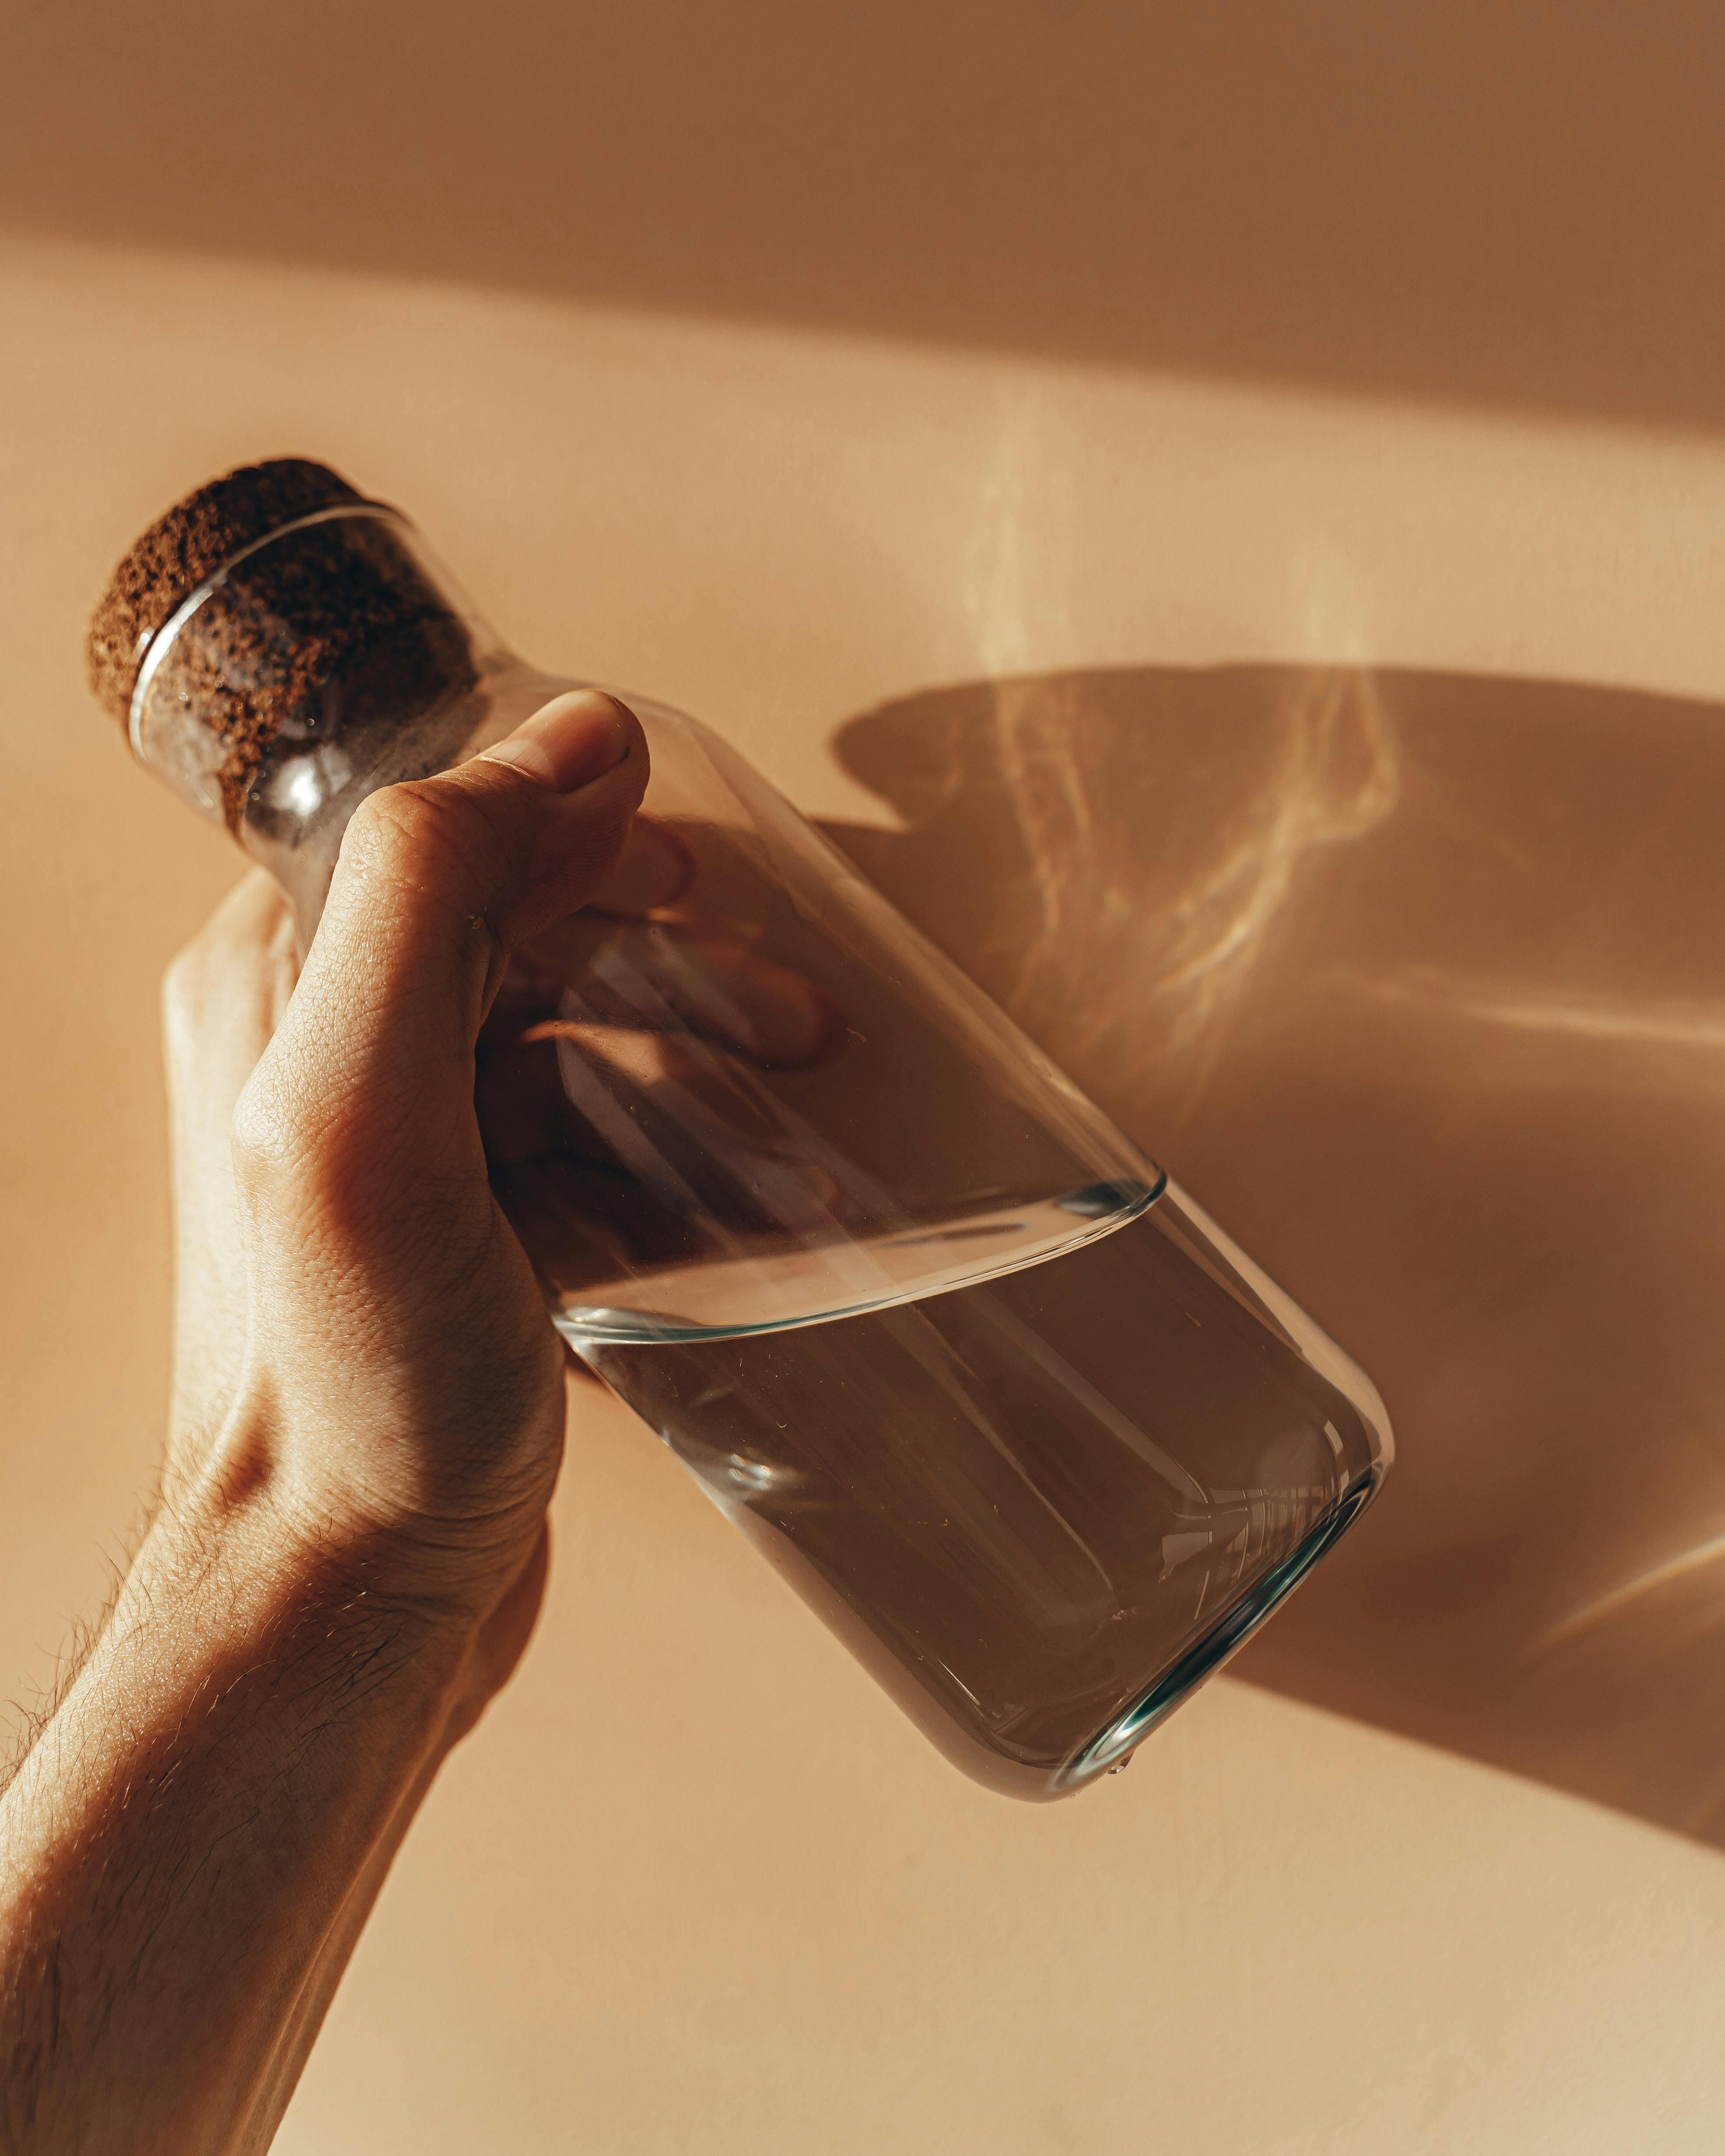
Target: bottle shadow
[[1417, 982]]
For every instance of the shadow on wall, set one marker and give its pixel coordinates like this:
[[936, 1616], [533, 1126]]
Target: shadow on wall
[[1500, 199], [1417, 982]]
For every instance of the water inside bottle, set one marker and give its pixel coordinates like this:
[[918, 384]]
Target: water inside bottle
[[1039, 1486]]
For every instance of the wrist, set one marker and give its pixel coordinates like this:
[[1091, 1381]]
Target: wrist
[[247, 1583], [344, 1501], [241, 1751]]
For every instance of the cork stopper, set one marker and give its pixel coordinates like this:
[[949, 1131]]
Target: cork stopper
[[332, 630], [162, 569]]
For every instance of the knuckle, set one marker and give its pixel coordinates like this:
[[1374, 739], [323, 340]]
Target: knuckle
[[183, 987], [403, 833], [186, 980], [249, 936], [385, 829], [186, 1006], [267, 1143], [430, 851]]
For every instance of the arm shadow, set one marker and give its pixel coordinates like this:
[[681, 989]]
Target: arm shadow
[[1417, 982]]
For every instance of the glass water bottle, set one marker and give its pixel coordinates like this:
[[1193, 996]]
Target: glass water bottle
[[1001, 1402]]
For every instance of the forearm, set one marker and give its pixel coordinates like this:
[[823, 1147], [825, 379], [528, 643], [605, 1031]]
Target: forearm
[[187, 1853], [192, 1843]]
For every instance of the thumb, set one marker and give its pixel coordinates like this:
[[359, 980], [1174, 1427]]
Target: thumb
[[438, 880]]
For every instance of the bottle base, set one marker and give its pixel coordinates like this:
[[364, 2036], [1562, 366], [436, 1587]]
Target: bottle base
[[1112, 1749]]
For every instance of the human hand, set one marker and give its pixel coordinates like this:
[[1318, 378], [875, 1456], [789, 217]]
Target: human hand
[[361, 1343], [357, 1323]]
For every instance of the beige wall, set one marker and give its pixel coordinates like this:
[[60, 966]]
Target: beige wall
[[1223, 512], [1452, 1066], [1485, 197]]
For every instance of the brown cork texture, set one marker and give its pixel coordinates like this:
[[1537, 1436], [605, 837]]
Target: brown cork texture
[[163, 568], [330, 629]]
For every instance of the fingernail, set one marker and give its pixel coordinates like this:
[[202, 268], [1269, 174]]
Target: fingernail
[[568, 742]]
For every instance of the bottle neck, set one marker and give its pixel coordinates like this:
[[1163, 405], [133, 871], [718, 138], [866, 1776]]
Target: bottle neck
[[300, 848]]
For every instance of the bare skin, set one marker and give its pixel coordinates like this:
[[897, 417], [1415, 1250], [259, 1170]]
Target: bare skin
[[368, 1419]]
